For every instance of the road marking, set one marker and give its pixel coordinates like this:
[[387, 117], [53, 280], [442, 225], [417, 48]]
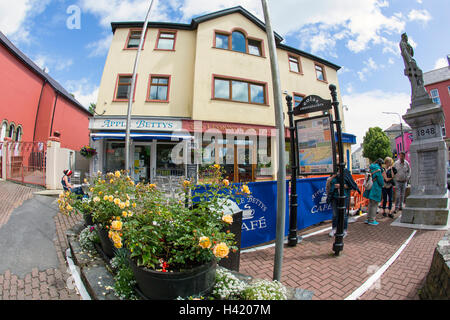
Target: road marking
[[377, 275]]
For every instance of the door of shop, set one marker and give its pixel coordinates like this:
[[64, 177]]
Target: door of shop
[[142, 166]]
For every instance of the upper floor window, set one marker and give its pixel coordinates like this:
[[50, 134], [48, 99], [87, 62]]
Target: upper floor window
[[238, 41], [166, 40], [435, 96], [134, 38], [320, 72], [11, 131], [159, 88], [239, 90], [123, 87], [294, 64]]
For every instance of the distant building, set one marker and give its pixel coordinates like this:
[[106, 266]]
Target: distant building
[[395, 131], [407, 140], [358, 161], [437, 83], [33, 106]]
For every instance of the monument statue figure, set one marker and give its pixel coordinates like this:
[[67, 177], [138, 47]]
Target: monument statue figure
[[419, 95], [428, 202]]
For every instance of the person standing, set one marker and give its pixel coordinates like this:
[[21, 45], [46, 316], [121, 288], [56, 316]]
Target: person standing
[[374, 194], [387, 191], [401, 179]]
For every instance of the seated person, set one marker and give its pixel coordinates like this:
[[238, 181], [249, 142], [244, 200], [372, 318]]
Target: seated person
[[67, 186]]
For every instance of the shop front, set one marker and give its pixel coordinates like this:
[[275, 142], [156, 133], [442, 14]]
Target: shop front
[[244, 151]]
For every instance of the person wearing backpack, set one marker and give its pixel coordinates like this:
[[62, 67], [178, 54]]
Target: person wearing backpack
[[373, 193]]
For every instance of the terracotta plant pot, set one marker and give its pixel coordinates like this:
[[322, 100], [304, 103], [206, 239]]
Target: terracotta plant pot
[[157, 285]]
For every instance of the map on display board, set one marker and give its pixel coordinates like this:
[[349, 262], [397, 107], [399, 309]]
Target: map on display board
[[315, 145]]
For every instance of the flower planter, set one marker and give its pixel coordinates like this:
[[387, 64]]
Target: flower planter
[[157, 285], [106, 243]]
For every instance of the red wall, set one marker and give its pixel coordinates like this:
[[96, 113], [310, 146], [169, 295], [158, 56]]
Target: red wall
[[20, 90], [19, 93], [444, 95], [72, 124]]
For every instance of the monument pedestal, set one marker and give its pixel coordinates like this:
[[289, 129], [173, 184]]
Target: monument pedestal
[[428, 200]]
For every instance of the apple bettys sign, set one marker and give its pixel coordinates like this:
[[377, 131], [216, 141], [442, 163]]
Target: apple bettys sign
[[136, 124], [312, 103]]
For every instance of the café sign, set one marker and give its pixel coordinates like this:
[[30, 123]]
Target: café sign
[[136, 124]]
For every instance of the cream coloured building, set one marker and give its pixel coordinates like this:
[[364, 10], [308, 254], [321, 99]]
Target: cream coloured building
[[211, 74]]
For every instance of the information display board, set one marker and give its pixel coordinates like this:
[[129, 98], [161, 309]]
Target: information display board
[[316, 145]]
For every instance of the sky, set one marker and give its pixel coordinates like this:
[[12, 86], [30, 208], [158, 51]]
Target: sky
[[71, 38]]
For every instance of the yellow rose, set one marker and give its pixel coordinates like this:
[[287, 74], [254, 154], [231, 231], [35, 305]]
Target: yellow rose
[[111, 181], [111, 198], [122, 205], [221, 250], [127, 203], [69, 207], [134, 205], [96, 199], [91, 189], [245, 189], [117, 174], [217, 166], [116, 225], [85, 180], [115, 237], [204, 242], [116, 201], [100, 193], [227, 218], [226, 182], [118, 245], [152, 185], [105, 198], [124, 214], [186, 183]]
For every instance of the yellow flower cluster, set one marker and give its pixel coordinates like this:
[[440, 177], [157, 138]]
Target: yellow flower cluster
[[245, 189], [64, 203], [115, 232], [220, 250], [228, 218]]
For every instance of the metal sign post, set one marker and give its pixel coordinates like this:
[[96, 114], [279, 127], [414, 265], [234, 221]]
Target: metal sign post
[[338, 245]]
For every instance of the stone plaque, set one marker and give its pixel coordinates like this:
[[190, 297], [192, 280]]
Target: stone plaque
[[427, 167]]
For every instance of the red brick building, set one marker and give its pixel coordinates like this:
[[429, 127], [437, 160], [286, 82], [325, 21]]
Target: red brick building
[[33, 106], [437, 84]]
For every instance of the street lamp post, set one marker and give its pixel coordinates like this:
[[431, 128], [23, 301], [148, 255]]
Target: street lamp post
[[401, 129]]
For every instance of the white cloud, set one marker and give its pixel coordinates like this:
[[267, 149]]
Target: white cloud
[[52, 63], [125, 10], [365, 110], [441, 63], [100, 47], [370, 65], [419, 15], [15, 17], [83, 91]]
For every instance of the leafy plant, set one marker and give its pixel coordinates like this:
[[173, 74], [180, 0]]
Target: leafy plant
[[88, 237], [88, 151]]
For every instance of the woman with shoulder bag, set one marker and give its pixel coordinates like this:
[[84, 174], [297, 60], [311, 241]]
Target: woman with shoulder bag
[[387, 191], [374, 194]]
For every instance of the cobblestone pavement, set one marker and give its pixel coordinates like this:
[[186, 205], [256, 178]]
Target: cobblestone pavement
[[312, 265], [36, 284]]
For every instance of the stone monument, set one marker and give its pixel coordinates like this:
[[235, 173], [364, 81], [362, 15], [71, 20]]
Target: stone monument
[[427, 203]]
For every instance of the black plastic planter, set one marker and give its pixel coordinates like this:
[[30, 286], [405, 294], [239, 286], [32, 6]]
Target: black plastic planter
[[88, 219], [157, 285], [106, 243], [232, 262]]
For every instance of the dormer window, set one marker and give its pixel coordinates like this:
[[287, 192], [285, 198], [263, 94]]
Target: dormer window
[[239, 42]]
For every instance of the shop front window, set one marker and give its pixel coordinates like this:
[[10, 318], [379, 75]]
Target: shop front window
[[114, 156]]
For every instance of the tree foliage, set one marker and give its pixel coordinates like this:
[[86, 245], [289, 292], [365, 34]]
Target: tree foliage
[[376, 144]]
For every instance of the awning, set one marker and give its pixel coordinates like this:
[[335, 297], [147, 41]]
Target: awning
[[141, 136]]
